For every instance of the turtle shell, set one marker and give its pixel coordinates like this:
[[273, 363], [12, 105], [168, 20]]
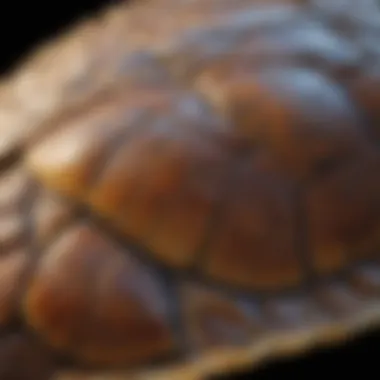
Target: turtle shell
[[190, 187]]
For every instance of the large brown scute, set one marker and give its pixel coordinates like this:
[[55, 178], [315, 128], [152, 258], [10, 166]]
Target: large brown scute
[[90, 299], [184, 185]]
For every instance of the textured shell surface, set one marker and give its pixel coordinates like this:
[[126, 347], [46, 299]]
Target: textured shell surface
[[190, 187]]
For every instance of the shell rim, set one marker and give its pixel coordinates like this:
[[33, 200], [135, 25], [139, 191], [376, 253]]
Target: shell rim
[[278, 345]]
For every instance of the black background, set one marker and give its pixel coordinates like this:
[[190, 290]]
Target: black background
[[25, 25]]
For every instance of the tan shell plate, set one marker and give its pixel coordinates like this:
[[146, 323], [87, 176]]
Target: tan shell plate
[[189, 187]]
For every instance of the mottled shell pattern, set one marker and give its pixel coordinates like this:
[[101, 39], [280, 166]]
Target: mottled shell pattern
[[189, 187]]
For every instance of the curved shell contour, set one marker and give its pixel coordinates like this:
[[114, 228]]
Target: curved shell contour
[[189, 187]]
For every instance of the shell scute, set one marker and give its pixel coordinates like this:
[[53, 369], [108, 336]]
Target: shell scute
[[87, 297]]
